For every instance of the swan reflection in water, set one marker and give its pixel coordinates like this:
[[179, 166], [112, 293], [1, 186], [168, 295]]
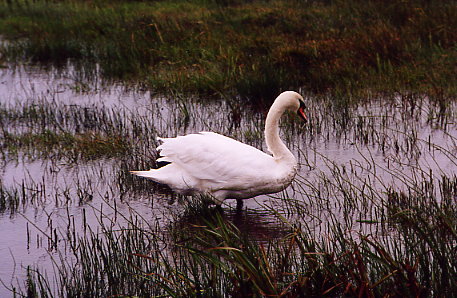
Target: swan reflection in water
[[258, 225]]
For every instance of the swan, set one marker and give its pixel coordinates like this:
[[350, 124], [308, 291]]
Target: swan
[[223, 168]]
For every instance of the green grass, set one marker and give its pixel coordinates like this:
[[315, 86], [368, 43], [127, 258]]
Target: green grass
[[42, 130], [87, 146], [213, 258], [248, 48]]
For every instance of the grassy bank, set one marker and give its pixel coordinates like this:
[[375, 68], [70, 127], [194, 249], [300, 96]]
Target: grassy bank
[[250, 48]]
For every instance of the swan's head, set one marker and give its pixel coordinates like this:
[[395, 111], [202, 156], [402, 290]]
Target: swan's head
[[292, 101]]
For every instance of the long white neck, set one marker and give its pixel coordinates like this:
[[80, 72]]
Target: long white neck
[[274, 143]]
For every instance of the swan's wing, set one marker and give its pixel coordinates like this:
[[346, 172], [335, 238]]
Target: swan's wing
[[214, 157]]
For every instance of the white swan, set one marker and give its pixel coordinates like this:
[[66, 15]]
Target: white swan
[[224, 168]]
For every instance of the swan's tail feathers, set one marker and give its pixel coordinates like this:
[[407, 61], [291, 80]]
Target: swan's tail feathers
[[147, 174]]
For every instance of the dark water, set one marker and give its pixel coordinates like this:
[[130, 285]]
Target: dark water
[[381, 144]]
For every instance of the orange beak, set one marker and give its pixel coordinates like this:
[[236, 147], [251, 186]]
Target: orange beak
[[301, 114]]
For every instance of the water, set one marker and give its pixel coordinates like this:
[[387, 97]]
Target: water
[[380, 145]]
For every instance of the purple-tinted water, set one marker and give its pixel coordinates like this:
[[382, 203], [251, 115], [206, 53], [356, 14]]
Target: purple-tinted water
[[387, 143]]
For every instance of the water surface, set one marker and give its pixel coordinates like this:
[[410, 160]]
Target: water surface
[[383, 144]]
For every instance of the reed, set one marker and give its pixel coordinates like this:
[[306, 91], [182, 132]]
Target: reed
[[215, 258]]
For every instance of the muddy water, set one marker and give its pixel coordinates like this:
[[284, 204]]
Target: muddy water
[[380, 145]]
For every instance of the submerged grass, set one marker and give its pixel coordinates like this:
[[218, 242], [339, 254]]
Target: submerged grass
[[250, 48]]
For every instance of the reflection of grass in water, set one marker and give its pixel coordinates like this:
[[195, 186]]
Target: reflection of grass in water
[[251, 47]]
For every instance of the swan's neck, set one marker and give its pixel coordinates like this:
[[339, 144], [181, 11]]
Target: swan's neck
[[274, 143]]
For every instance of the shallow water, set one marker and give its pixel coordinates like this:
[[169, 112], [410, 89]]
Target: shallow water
[[380, 145]]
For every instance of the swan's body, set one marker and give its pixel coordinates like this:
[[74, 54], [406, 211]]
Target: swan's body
[[224, 168]]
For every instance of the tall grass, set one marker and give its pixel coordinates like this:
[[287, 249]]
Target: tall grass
[[250, 48], [414, 256]]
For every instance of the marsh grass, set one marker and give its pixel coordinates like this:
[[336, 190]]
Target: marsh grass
[[213, 258], [67, 131], [373, 241], [85, 146], [250, 48], [345, 230], [44, 128]]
